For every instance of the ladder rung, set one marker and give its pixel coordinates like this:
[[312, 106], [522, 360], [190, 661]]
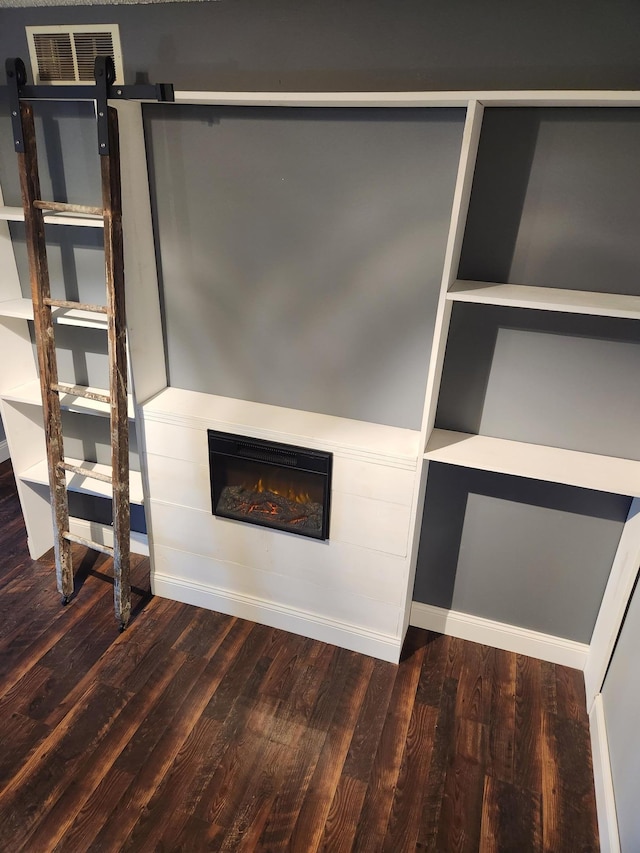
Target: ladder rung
[[86, 472], [80, 306], [97, 546], [80, 391], [61, 207]]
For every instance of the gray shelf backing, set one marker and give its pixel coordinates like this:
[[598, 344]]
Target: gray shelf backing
[[555, 200], [301, 252], [561, 380], [97, 509], [517, 551], [75, 257], [88, 437], [67, 145], [81, 354]]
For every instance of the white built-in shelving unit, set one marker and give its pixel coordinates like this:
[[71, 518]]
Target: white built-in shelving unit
[[356, 589], [172, 421]]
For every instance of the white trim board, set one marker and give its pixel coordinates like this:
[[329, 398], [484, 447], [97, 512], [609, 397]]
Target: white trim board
[[347, 636], [617, 595], [539, 98], [605, 798], [4, 451], [510, 638]]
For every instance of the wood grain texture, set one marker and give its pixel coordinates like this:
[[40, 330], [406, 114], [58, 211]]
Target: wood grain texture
[[197, 731]]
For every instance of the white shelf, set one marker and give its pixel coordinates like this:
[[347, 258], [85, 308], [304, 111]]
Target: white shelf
[[103, 533], [30, 393], [547, 299], [39, 474], [375, 442], [533, 98], [84, 220], [535, 461], [23, 308]]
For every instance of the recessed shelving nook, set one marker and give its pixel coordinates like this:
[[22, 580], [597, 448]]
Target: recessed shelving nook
[[441, 290]]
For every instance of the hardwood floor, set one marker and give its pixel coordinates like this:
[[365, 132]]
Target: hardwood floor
[[195, 731]]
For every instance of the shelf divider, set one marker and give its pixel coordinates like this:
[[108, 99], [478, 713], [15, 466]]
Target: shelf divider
[[38, 474], [547, 299], [82, 220], [535, 461], [29, 393]]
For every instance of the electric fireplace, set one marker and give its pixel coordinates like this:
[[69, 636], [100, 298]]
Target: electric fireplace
[[275, 485]]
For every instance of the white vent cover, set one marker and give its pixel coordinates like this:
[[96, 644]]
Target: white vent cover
[[65, 54]]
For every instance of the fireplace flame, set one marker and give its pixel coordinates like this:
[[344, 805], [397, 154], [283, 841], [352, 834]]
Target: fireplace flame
[[289, 493]]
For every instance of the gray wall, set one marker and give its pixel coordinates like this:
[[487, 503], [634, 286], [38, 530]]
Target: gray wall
[[621, 697], [301, 252], [366, 44], [527, 553], [3, 435]]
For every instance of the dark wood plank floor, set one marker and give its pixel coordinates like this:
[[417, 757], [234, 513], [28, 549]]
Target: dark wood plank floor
[[195, 731]]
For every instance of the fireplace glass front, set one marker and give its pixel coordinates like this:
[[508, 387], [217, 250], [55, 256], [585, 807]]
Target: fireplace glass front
[[275, 485]]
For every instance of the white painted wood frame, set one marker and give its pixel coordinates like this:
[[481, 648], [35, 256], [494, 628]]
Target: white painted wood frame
[[619, 589]]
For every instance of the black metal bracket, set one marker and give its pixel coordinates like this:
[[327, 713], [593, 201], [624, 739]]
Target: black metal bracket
[[105, 89], [16, 78], [104, 74]]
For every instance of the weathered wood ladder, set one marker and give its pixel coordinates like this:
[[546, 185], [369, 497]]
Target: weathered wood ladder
[[114, 309]]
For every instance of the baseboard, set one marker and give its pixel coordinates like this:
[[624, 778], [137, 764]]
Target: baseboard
[[271, 613], [605, 799], [4, 451], [511, 638]]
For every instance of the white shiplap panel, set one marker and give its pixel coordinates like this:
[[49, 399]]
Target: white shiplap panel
[[360, 439], [339, 566], [187, 483], [283, 591]]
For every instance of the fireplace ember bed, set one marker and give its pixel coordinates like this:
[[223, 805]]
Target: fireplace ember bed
[[275, 485]]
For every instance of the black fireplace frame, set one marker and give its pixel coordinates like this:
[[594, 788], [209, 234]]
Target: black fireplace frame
[[277, 455]]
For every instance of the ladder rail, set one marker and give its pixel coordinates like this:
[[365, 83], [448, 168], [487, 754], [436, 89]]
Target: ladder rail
[[116, 335], [45, 346]]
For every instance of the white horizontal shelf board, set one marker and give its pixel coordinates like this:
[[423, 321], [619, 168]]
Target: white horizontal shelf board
[[84, 220], [535, 461], [103, 533], [375, 442], [412, 99], [547, 299], [39, 474], [23, 308], [30, 393]]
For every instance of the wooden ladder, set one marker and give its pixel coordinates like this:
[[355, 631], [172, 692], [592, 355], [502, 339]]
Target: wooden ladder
[[51, 387]]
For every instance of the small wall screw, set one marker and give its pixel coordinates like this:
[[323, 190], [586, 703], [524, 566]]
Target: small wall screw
[[102, 145]]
